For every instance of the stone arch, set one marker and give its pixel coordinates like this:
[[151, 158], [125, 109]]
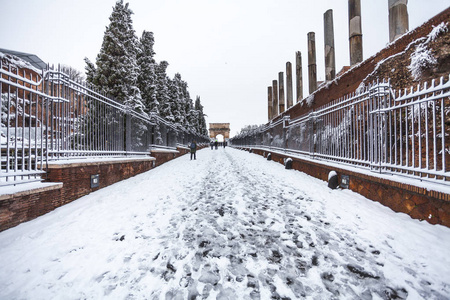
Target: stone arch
[[219, 128]]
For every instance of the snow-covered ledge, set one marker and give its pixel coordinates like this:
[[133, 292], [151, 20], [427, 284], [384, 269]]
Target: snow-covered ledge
[[94, 161], [26, 189]]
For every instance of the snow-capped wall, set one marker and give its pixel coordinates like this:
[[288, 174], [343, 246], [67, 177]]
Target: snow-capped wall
[[75, 176]]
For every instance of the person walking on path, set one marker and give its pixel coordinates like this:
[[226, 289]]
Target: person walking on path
[[193, 148]]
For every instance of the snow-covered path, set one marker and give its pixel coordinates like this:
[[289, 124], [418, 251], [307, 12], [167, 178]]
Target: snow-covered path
[[229, 225]]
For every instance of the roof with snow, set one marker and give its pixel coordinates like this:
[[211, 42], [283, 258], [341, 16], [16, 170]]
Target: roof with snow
[[33, 59]]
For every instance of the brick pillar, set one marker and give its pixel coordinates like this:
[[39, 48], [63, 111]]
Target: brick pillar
[[289, 98], [269, 102], [274, 98], [312, 68], [398, 18], [355, 31], [330, 62], [281, 91], [298, 74]]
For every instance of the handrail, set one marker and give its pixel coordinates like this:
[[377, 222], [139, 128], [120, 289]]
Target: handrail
[[373, 129]]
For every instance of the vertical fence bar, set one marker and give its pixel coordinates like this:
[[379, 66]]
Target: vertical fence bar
[[353, 124], [443, 128], [16, 125], [390, 127], [407, 137], [386, 126], [413, 157], [23, 155], [371, 129], [52, 117], [443, 136], [385, 122], [395, 136], [401, 135], [43, 123], [434, 138], [47, 113], [360, 131], [30, 112], [418, 156], [8, 127]]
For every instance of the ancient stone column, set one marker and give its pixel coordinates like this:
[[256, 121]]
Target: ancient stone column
[[281, 91], [274, 98], [269, 102], [330, 61], [398, 18], [355, 31], [312, 68], [289, 101], [298, 73]]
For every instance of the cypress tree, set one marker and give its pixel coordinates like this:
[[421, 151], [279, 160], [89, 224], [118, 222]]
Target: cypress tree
[[147, 73], [163, 86], [117, 70], [201, 122], [125, 70]]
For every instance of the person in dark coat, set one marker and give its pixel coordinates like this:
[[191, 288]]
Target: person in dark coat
[[193, 148], [216, 144]]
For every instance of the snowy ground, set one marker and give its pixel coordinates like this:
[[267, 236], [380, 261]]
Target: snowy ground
[[229, 225]]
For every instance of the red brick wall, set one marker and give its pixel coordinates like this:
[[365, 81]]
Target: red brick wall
[[76, 177], [419, 203], [27, 205], [76, 182]]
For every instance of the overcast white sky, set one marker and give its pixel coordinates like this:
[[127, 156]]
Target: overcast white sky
[[228, 51]]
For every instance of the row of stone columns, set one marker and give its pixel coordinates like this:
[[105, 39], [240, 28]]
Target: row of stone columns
[[398, 25], [275, 93]]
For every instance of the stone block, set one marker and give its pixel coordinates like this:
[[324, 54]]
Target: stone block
[[333, 181]]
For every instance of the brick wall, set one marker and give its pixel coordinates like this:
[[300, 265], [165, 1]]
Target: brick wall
[[419, 203], [27, 205], [70, 181], [76, 177]]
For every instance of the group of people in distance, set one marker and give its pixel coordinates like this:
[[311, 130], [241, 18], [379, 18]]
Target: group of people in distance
[[214, 144]]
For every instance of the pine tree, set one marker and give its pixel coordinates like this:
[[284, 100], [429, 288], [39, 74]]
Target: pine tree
[[201, 122], [174, 94], [162, 92], [180, 101], [117, 70], [125, 70], [90, 71], [188, 107], [147, 81], [147, 73]]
